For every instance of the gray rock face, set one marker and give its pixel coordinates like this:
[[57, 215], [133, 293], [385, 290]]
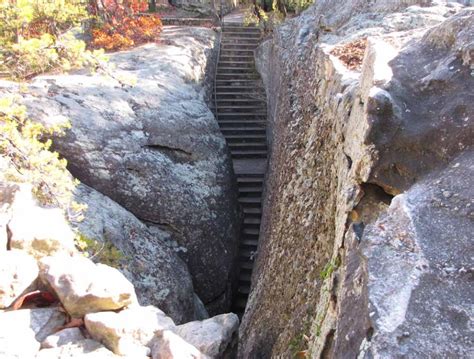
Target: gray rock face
[[85, 287], [343, 143], [419, 257], [63, 337], [160, 277], [155, 147], [429, 124]]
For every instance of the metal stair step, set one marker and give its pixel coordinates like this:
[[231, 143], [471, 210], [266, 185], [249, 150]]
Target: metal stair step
[[243, 114], [246, 137], [244, 289], [251, 221], [250, 200], [252, 189], [233, 124], [245, 265], [250, 242], [252, 211], [231, 68], [245, 277]]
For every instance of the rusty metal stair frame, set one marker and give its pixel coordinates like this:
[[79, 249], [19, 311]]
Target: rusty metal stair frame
[[240, 109]]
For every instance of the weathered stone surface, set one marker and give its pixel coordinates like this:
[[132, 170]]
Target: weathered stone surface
[[437, 64], [129, 331], [150, 261], [167, 345], [63, 337], [343, 142], [419, 261], [18, 272], [7, 197], [85, 287], [21, 331], [200, 311], [155, 147], [216, 337], [85, 349], [36, 230]]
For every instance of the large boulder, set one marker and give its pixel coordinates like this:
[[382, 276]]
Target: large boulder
[[85, 287], [148, 259], [154, 147], [418, 253], [366, 99]]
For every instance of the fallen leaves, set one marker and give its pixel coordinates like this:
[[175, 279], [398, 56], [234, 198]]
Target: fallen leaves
[[352, 53]]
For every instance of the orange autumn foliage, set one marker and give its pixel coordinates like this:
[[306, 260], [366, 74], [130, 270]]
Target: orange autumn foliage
[[122, 28]]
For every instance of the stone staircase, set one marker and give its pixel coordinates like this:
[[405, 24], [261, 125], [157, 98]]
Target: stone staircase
[[240, 108]]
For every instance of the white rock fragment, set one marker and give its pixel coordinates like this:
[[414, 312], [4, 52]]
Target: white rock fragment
[[18, 272], [129, 331], [85, 349], [38, 231], [22, 330], [84, 287], [63, 337], [167, 345], [211, 336]]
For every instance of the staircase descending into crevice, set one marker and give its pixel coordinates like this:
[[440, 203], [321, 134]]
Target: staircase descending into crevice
[[240, 108]]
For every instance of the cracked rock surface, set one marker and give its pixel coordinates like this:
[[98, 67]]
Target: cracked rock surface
[[154, 147]]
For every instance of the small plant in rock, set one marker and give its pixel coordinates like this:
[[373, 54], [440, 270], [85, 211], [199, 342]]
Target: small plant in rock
[[102, 252], [329, 268]]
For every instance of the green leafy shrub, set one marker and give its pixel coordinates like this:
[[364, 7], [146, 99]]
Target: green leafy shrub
[[29, 158], [34, 37]]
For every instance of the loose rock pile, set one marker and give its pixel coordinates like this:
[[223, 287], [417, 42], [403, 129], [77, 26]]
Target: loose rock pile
[[91, 311]]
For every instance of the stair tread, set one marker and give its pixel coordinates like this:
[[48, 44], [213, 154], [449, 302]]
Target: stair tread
[[244, 289], [245, 136], [250, 200], [233, 68], [245, 265], [247, 144], [246, 96], [226, 123], [244, 114], [246, 129], [258, 106], [251, 220], [251, 189], [252, 211], [250, 242]]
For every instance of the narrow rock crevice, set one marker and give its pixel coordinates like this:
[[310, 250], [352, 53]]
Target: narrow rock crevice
[[174, 153], [240, 109]]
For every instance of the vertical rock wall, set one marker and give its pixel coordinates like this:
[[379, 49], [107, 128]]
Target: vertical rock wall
[[344, 268]]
